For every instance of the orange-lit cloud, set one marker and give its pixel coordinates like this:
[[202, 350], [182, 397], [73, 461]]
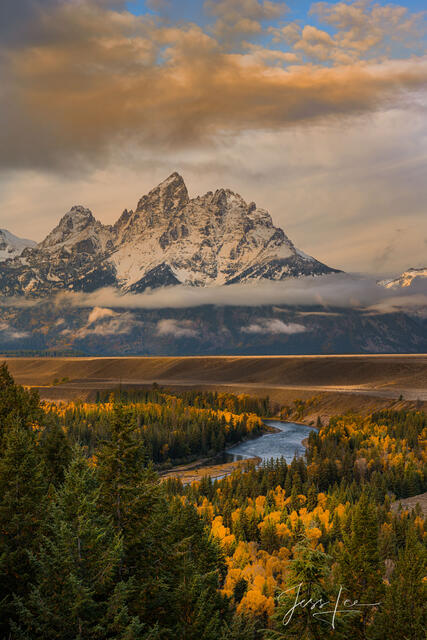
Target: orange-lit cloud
[[363, 29], [241, 18], [87, 79]]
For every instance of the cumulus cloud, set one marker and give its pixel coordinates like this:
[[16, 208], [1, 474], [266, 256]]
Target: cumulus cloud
[[275, 326], [237, 18], [176, 328], [105, 324], [99, 313], [86, 78], [363, 29]]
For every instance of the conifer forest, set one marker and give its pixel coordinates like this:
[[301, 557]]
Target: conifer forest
[[96, 544]]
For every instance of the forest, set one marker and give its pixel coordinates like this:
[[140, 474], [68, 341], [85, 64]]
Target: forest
[[173, 429], [94, 545]]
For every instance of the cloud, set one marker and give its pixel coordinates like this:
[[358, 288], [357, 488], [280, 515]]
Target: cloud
[[100, 105], [363, 29], [83, 80], [331, 291], [242, 18], [415, 302], [99, 313], [176, 328], [105, 322], [339, 191], [321, 314], [11, 334], [275, 326]]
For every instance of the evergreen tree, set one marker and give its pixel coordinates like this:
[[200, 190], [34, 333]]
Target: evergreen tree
[[194, 572], [18, 407], [307, 581], [240, 628], [359, 563], [23, 499], [269, 538], [56, 453], [75, 566], [404, 613], [129, 490], [131, 496]]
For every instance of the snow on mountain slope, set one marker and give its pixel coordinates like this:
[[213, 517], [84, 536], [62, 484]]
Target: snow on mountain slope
[[214, 239], [77, 231], [11, 246], [406, 279]]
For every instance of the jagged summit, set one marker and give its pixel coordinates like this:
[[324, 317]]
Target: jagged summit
[[77, 231], [169, 196], [174, 181], [76, 219], [213, 239]]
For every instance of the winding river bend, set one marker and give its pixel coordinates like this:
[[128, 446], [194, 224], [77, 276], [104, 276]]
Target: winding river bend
[[286, 442]]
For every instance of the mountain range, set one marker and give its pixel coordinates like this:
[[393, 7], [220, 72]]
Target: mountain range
[[169, 239]]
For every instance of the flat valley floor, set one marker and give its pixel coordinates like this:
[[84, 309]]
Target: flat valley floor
[[340, 383]]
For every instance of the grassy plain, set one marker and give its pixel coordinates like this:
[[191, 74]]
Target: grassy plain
[[361, 383]]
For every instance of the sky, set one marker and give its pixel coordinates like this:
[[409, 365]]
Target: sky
[[315, 111]]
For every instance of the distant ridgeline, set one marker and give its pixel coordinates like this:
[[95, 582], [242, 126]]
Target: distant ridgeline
[[31, 353], [92, 545]]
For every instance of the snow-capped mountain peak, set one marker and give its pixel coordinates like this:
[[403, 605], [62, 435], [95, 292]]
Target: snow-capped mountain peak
[[11, 246], [213, 239], [77, 231]]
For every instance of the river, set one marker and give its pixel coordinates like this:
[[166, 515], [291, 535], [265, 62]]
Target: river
[[286, 443]]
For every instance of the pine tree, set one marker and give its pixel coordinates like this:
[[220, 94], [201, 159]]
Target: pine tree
[[193, 572], [359, 563], [403, 613], [129, 490], [307, 580], [76, 564], [240, 628], [23, 499], [131, 496], [56, 453], [18, 407], [269, 538]]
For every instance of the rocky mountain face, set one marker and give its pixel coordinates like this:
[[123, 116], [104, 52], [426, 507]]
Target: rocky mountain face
[[407, 279], [215, 239], [11, 246]]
